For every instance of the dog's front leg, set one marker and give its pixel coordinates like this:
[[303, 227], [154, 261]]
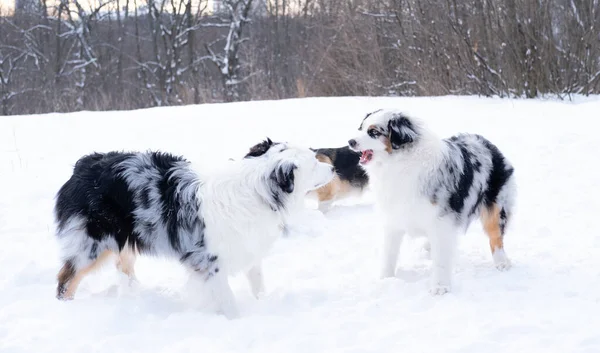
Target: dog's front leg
[[256, 280], [207, 266], [392, 240], [221, 294]]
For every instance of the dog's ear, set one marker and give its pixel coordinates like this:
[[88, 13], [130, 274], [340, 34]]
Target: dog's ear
[[401, 131], [283, 176], [260, 148]]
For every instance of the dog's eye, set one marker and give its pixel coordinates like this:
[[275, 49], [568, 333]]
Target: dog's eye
[[373, 133]]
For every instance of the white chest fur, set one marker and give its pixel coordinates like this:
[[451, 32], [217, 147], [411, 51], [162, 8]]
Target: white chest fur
[[240, 229]]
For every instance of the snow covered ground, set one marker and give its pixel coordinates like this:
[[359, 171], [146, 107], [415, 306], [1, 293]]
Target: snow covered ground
[[323, 292]]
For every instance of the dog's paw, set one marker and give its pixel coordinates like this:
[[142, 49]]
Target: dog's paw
[[439, 289], [63, 297], [387, 273], [501, 262], [230, 313], [503, 266], [128, 286], [258, 293]]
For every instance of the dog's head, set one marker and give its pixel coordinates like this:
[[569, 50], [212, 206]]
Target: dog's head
[[290, 169], [383, 133]]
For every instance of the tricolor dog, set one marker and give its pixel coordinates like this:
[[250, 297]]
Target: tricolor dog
[[425, 185], [216, 223], [349, 180]]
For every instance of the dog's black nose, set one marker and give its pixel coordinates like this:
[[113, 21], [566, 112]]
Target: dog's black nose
[[352, 143]]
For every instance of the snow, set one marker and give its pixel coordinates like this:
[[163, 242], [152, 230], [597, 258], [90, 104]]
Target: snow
[[323, 291]]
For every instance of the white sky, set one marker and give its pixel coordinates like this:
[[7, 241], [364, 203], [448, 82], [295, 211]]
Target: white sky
[[6, 4]]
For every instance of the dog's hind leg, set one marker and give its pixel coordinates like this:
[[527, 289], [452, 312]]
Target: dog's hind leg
[[126, 263], [328, 193], [65, 275], [443, 240], [494, 220], [70, 275]]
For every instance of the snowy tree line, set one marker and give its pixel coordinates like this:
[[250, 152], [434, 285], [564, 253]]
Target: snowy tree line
[[65, 55]]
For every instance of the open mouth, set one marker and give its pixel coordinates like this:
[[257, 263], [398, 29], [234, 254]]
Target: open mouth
[[366, 156]]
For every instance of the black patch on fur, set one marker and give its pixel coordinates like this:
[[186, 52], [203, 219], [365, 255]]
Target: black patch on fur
[[345, 162], [167, 187], [401, 132], [186, 256], [283, 178], [260, 148], [503, 220], [201, 261], [499, 174], [93, 251], [100, 195], [461, 192], [200, 244], [145, 197], [365, 118]]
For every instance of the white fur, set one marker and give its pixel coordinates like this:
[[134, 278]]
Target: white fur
[[241, 227], [237, 212], [402, 182]]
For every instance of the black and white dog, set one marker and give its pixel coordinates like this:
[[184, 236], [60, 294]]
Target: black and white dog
[[215, 223], [435, 187]]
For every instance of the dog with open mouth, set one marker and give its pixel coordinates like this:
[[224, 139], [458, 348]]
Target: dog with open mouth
[[425, 185]]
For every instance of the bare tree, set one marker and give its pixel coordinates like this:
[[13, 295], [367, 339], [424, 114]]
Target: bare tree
[[67, 55], [227, 60]]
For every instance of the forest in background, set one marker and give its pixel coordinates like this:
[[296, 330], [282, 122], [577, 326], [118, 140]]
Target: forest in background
[[127, 54]]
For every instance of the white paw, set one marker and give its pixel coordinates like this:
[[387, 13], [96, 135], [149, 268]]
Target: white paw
[[427, 250], [128, 285], [230, 313], [387, 273], [258, 293], [325, 206], [324, 210], [427, 246], [501, 262], [439, 289], [503, 266]]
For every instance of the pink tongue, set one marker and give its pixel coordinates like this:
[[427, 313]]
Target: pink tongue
[[365, 156]]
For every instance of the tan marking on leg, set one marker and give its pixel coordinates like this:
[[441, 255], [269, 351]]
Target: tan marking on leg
[[326, 192], [65, 274], [71, 286], [344, 187], [490, 218], [126, 263]]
